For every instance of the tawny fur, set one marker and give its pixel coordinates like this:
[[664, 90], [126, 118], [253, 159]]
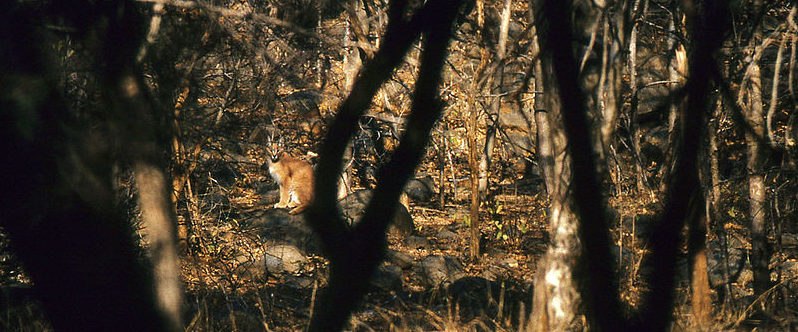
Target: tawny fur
[[295, 178]]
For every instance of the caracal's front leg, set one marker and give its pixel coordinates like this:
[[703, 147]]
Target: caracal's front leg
[[284, 197]]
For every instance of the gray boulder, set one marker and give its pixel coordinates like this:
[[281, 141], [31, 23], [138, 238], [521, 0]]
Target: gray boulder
[[353, 206]]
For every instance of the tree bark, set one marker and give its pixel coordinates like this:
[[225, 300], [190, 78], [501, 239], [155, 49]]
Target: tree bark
[[701, 303], [473, 164], [677, 72], [774, 93], [714, 165], [683, 196], [639, 12], [713, 213], [755, 164], [700, 300], [557, 299], [473, 131], [354, 30], [610, 100], [497, 89], [159, 227], [180, 169]]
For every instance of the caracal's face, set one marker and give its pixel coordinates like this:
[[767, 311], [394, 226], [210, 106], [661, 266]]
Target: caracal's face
[[275, 150]]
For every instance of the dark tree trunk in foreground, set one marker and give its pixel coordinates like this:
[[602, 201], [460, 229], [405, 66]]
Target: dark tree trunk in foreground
[[576, 183], [683, 198], [593, 271], [355, 253], [58, 197]]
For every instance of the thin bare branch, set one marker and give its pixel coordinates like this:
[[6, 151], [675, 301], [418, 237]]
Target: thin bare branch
[[774, 91], [227, 12]]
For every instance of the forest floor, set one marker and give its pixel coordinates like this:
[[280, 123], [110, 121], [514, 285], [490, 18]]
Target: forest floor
[[489, 293], [429, 281], [514, 235]]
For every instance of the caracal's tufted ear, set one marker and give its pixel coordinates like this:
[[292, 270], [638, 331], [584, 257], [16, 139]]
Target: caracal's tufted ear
[[274, 146]]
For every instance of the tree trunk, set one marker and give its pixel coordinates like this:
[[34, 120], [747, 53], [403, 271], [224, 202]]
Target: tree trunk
[[676, 75], [700, 300], [684, 199], [62, 220], [180, 171], [356, 36], [543, 133], [158, 218], [774, 93], [442, 172], [496, 99], [755, 164], [473, 130], [473, 164], [598, 292], [614, 39], [697, 218], [714, 166], [639, 13], [701, 303], [756, 186], [713, 213], [556, 299]]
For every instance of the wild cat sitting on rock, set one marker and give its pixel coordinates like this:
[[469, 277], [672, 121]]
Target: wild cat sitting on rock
[[295, 178]]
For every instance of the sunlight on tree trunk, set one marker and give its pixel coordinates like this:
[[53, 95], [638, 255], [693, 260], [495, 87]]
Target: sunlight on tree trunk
[[495, 93], [755, 163], [180, 169], [697, 251], [609, 89], [156, 211], [555, 299], [677, 71]]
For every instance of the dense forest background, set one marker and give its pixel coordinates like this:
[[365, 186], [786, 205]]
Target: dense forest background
[[562, 165]]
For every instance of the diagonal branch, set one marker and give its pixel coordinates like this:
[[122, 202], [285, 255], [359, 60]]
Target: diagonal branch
[[355, 254], [426, 110], [323, 214]]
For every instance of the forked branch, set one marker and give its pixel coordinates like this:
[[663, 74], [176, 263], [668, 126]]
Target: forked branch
[[355, 253]]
